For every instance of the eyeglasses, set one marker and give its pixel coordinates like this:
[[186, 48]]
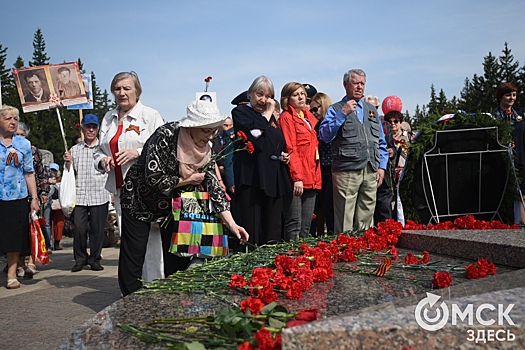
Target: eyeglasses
[[210, 132], [394, 121], [314, 109]]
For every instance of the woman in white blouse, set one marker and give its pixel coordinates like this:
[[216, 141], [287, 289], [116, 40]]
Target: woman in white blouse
[[123, 132]]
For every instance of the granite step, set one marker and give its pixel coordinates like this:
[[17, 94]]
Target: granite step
[[503, 247]]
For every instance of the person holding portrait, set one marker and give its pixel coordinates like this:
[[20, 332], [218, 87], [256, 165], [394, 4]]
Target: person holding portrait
[[19, 193], [37, 92], [298, 126], [261, 178], [123, 133], [172, 160]]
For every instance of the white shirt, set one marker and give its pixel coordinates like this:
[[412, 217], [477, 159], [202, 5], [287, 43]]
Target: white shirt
[[147, 119]]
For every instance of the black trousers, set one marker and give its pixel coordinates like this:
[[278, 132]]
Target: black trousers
[[89, 220], [384, 198], [133, 243], [259, 214]]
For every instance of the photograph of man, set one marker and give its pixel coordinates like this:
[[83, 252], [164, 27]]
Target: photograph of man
[[206, 98], [37, 92], [66, 85]]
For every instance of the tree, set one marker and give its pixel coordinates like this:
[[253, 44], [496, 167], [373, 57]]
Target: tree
[[101, 100], [40, 57], [520, 102], [433, 105], [419, 117], [508, 69], [6, 79]]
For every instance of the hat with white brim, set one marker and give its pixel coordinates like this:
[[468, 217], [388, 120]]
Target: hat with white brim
[[202, 114]]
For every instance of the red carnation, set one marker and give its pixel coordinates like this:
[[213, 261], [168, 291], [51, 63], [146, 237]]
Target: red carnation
[[250, 148], [265, 341], [425, 259], [442, 279], [308, 315], [253, 304], [242, 135], [410, 259], [237, 281], [208, 79], [294, 323], [246, 346]]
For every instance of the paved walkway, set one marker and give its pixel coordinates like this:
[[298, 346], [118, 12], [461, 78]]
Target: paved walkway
[[46, 309]]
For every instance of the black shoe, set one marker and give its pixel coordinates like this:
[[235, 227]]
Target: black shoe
[[77, 267], [56, 246], [95, 266]]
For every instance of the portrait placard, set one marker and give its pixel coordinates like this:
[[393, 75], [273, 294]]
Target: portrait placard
[[206, 96], [49, 86], [88, 88]]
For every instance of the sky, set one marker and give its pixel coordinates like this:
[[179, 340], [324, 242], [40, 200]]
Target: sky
[[403, 46]]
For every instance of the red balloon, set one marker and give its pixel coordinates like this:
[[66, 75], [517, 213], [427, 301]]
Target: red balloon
[[392, 103]]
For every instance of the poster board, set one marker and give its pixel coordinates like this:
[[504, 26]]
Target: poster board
[[49, 86], [206, 96], [87, 80]]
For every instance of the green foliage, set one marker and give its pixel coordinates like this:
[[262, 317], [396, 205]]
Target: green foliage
[[40, 57]]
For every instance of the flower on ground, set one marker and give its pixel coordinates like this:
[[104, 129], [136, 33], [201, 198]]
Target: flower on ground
[[442, 279], [253, 304], [481, 269]]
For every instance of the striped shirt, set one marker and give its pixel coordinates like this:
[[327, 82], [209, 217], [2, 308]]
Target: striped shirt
[[90, 183]]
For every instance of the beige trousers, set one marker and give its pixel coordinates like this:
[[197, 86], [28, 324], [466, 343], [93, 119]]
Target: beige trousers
[[354, 199]]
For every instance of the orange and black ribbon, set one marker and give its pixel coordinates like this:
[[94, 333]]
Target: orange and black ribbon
[[134, 128], [12, 157], [384, 267]]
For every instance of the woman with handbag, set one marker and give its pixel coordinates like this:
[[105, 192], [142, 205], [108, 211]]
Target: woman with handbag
[[26, 264], [171, 162], [19, 195]]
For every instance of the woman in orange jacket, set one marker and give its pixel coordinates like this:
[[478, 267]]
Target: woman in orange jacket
[[297, 124]]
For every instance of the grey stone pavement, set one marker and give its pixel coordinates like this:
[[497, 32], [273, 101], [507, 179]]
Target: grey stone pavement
[[46, 309]]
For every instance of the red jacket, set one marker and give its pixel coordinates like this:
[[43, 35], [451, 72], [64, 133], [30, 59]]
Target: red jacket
[[302, 144]]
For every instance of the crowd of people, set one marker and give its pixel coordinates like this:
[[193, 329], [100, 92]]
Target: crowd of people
[[315, 167]]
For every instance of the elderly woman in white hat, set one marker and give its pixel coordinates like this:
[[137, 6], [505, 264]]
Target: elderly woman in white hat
[[172, 158]]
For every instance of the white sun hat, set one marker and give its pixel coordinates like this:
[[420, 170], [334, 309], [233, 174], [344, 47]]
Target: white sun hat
[[202, 114]]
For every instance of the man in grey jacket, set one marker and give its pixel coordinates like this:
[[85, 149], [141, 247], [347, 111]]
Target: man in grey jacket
[[359, 154]]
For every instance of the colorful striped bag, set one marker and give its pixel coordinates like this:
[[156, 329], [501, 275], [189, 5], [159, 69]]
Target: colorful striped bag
[[197, 231]]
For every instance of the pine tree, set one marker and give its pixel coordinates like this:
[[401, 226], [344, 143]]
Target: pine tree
[[442, 102], [520, 101], [433, 105], [419, 117], [489, 82], [6, 78], [81, 66], [508, 69], [40, 57]]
